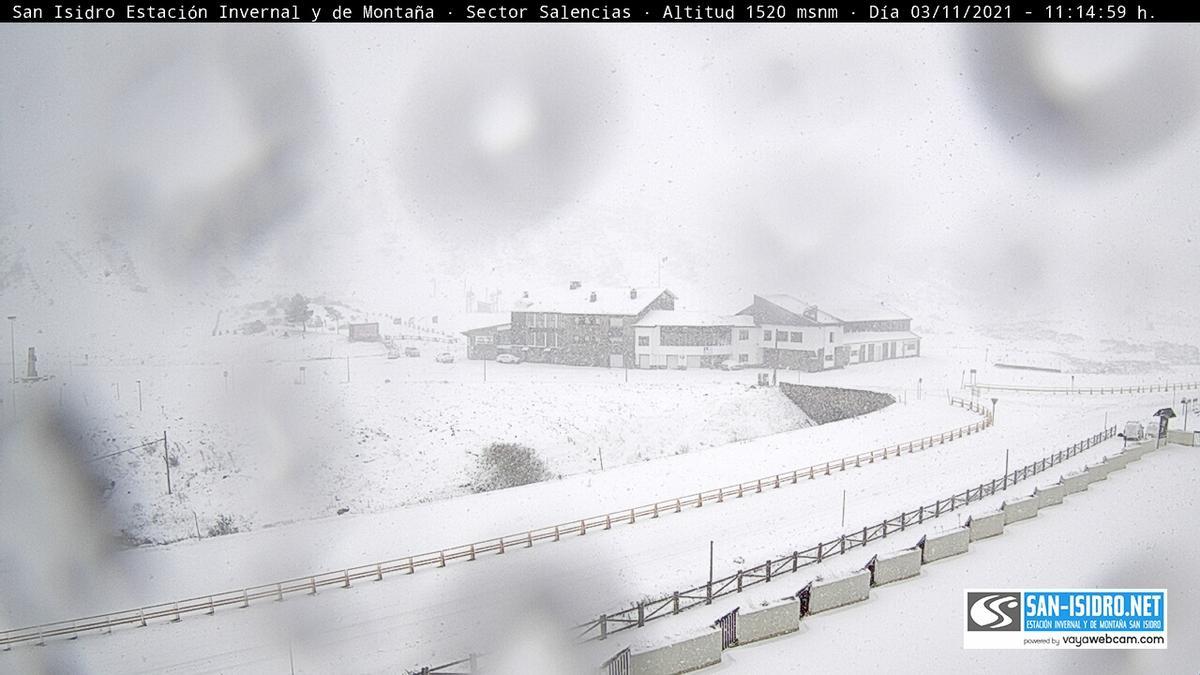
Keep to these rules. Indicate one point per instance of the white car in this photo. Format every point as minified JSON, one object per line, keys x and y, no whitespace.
{"x":507,"y":358}
{"x":730,"y":364}
{"x":444,"y":357}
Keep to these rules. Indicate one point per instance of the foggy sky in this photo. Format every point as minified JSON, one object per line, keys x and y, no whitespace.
{"x":995,"y":170}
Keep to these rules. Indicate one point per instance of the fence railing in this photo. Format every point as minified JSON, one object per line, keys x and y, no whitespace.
{"x":1161,"y":387}
{"x":208,"y":604}
{"x":703,"y":594}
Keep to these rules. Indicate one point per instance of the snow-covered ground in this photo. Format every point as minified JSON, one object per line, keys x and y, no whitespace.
{"x":443,"y":613}
{"x":400,"y":431}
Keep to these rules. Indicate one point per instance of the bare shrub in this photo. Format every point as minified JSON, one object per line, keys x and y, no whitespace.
{"x":505,"y":465}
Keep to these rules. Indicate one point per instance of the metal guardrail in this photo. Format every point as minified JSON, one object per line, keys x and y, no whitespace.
{"x":1094,"y":391}
{"x":309,"y":585}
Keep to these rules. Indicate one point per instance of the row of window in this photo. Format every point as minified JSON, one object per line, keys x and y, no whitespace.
{"x":789,"y":336}
{"x":550,"y":320}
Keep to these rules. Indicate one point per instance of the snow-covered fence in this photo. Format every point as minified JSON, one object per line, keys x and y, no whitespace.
{"x":703,"y":594}
{"x":1020,"y":509}
{"x":888,"y":567}
{"x":763,"y":623}
{"x":944,"y":545}
{"x":986,"y":525}
{"x":1049,"y":495}
{"x":679,"y":657}
{"x":1097,"y":391}
{"x":828,"y":594}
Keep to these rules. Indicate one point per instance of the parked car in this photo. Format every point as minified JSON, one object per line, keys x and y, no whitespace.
{"x":730,"y":364}
{"x":507,"y":358}
{"x":444,"y":357}
{"x":412,"y":352}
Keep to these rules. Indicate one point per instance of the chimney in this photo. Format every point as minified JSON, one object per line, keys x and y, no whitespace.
{"x":575,"y":285}
{"x":592,"y":297}
{"x":633,"y":294}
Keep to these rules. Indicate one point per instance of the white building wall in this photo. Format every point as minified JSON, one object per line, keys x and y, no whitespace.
{"x":815,"y":338}
{"x":657,"y":355}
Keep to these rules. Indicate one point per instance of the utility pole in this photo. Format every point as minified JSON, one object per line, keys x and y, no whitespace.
{"x":12,"y":339}
{"x":708,"y":601}
{"x":139,"y":383}
{"x":843,"y":508}
{"x":167,"y":462}
{"x":1006,"y":469}
{"x":600,"y":451}
{"x":775,"y":360}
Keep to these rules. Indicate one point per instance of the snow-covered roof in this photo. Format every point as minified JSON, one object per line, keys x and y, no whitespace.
{"x":865,"y":311}
{"x":852,"y":337}
{"x":799,"y":307}
{"x":663,"y":317}
{"x":461,"y":323}
{"x":613,"y":300}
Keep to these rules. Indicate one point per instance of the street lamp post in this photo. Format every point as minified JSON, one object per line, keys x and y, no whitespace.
{"x":994,"y":409}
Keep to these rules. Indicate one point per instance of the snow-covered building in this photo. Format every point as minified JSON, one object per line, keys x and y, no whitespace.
{"x":683,"y":339}
{"x":583,"y":326}
{"x":487,"y":333}
{"x":804,"y":336}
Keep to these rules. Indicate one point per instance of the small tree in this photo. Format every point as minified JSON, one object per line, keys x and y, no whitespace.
{"x":299,"y":312}
{"x":505,"y":465}
{"x":334,"y":316}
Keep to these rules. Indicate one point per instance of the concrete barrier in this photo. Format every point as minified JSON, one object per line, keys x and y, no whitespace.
{"x":1097,"y":472}
{"x":1134,"y":452}
{"x":679,"y":657}
{"x":767,"y":622}
{"x":1180,"y":437}
{"x":1116,"y":462}
{"x":945,"y":545}
{"x":1049,"y":495}
{"x":1020,"y":509}
{"x":830,"y":593}
{"x":1076,"y":481}
{"x":888,"y":567}
{"x":986,"y":525}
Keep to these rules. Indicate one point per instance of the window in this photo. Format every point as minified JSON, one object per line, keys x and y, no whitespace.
{"x":541,"y":320}
{"x":797,"y":336}
{"x":541,"y":339}
{"x":830,"y":337}
{"x":743,"y":333}
{"x":643,"y":340}
{"x":483,"y":339}
{"x":766,"y":336}
{"x":743,"y":358}
{"x":556,"y":339}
